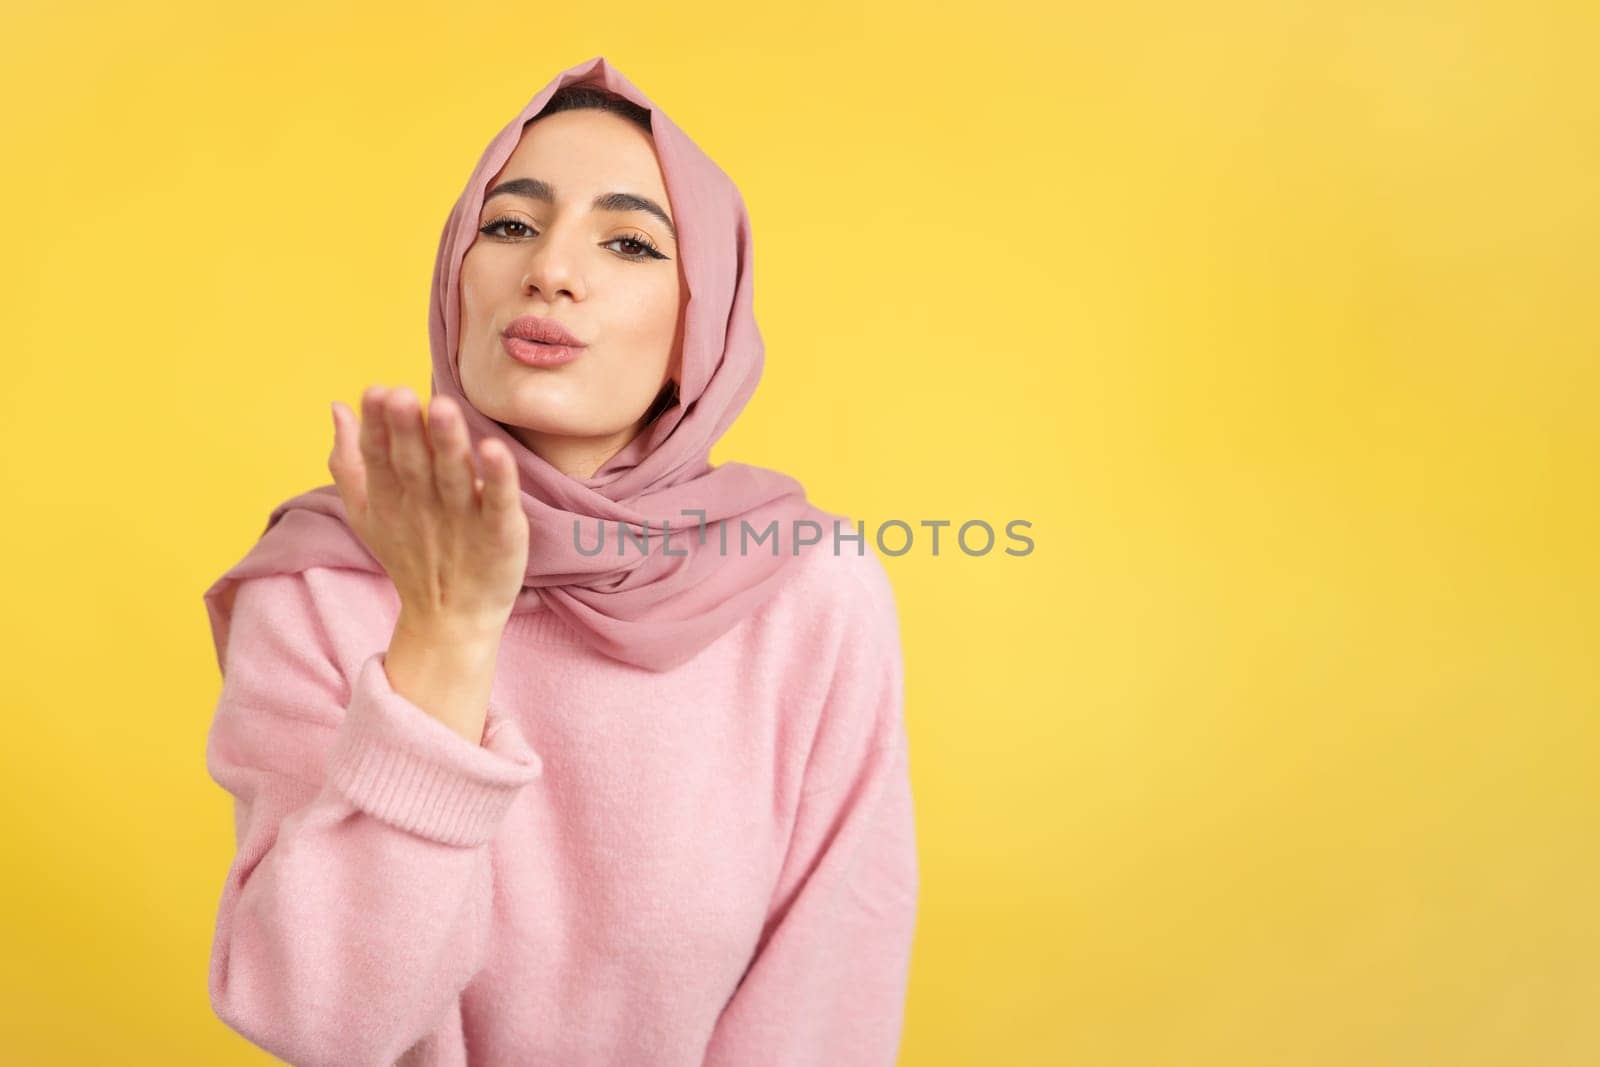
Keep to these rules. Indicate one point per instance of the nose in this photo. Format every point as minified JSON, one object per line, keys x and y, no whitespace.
{"x":551,"y":270}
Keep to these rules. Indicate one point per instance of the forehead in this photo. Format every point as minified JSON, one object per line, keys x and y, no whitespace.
{"x":585,"y":151}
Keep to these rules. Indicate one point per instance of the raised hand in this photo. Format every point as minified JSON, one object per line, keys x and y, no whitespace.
{"x":455,"y":544}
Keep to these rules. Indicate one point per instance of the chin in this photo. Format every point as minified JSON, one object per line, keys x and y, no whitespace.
{"x":534,"y":422}
{"x":557,"y":417}
{"x":550,"y":403}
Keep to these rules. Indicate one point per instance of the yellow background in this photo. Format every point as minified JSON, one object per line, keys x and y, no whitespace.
{"x":1276,"y":320}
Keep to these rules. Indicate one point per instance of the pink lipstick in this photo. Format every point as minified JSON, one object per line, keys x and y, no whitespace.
{"x":540,"y":341}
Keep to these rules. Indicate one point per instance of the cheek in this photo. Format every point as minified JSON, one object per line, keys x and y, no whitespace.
{"x":468,"y":288}
{"x":655,"y":317}
{"x":486,"y":274}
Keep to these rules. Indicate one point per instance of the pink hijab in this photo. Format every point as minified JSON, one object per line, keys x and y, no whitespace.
{"x":653,"y":608}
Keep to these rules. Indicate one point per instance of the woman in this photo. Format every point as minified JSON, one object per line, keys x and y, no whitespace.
{"x":539,"y":755}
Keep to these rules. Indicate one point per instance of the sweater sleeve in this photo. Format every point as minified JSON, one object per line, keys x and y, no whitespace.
{"x":827,"y":984}
{"x":357,"y":906}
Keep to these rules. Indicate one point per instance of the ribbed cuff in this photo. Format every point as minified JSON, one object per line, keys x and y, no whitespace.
{"x":397,"y":762}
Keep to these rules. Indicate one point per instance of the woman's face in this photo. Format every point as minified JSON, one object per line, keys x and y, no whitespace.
{"x":609,"y":274}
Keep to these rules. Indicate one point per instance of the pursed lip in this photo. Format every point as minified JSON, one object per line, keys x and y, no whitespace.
{"x":542,"y":329}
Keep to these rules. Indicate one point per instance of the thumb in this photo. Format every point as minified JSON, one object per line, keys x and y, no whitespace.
{"x":500,"y":494}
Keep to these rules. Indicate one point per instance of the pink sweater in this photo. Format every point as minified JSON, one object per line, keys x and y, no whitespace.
{"x":710,"y":866}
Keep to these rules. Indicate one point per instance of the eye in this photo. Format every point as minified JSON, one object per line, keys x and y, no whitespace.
{"x":489,"y":228}
{"x":648,"y":249}
{"x":642,"y":247}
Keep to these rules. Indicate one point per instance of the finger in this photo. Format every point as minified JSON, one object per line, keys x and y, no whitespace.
{"x":501,"y":491}
{"x":344,"y":462}
{"x":452,"y":454}
{"x":382,"y":482}
{"x":408,"y":445}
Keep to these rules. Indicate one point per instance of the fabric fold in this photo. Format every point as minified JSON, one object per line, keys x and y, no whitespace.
{"x":402,"y":765}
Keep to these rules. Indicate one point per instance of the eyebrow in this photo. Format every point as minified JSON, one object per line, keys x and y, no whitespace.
{"x":535,"y":189}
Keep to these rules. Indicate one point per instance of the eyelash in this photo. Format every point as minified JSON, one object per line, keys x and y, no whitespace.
{"x":650,"y":250}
